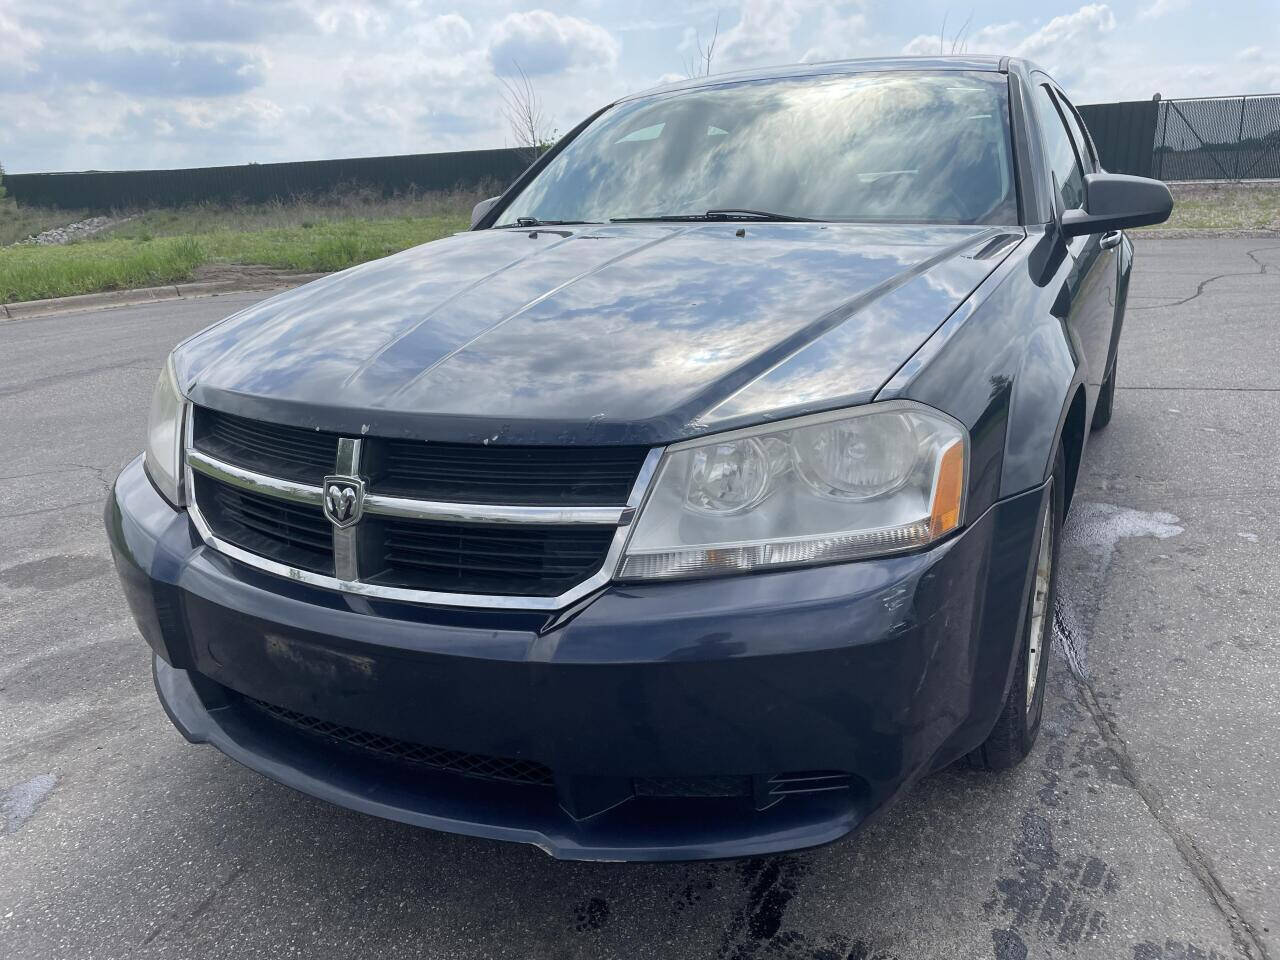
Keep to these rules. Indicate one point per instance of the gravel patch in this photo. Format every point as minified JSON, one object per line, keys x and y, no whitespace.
{"x":73,"y":231}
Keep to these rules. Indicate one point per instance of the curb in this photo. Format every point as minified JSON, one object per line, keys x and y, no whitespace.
{"x":143,"y":295}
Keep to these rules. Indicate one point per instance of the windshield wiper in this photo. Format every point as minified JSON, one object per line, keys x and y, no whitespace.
{"x":729,"y":213}
{"x":737,"y":213}
{"x":535,"y":222}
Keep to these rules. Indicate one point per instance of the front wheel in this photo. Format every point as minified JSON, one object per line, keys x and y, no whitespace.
{"x":1018,"y":726}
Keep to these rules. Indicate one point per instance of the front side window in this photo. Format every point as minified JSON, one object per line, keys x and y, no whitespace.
{"x":900,"y":146}
{"x":1084,"y":146}
{"x":1062,"y":155}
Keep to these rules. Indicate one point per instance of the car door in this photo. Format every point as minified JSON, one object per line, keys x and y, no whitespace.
{"x":1093,"y":277}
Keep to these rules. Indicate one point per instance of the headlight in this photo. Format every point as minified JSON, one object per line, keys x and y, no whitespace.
{"x":835,"y":486}
{"x":163,"y":458}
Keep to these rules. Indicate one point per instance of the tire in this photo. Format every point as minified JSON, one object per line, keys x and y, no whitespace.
{"x":1015,"y":732}
{"x":1106,"y":399}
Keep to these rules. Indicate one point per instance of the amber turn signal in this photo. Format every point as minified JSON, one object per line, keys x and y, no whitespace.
{"x":948,"y":491}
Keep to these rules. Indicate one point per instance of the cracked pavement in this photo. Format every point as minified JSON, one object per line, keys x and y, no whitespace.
{"x":1143,"y":826}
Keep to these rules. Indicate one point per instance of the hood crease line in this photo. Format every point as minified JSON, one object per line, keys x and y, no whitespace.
{"x":413,"y":328}
{"x":423,"y":374}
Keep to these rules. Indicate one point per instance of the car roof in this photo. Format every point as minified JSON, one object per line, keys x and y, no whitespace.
{"x":984,"y":64}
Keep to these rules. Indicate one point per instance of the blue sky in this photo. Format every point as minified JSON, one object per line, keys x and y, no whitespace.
{"x":117,"y":84}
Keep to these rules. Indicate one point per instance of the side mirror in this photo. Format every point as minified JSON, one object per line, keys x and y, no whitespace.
{"x":481,"y":208}
{"x":1115,"y":201}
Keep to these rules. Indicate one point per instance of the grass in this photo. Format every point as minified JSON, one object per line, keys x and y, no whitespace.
{"x":18,"y":223}
{"x":154,"y":247}
{"x":352,"y":203}
{"x":34,"y":273}
{"x":157,"y":247}
{"x":1216,"y":207}
{"x":1226,"y":206}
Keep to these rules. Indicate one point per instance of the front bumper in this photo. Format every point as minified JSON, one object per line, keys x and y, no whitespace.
{"x":877,"y":670}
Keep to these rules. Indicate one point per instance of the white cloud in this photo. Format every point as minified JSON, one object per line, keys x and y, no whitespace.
{"x":17,"y":47}
{"x":352,"y":19}
{"x":218,"y":21}
{"x":542,"y":43}
{"x":447,"y":31}
{"x":1069,"y":37}
{"x":842,"y":35}
{"x":145,"y":83}
{"x":1068,"y":46}
{"x":999,"y":38}
{"x":162,"y":70}
{"x":1159,"y":8}
{"x":923,"y":45}
{"x":762,"y":34}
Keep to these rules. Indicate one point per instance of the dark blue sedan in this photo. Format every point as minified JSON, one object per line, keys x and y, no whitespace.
{"x":695,"y":503}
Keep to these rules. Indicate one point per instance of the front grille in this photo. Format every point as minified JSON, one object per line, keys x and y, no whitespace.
{"x":530,"y":772}
{"x":513,"y":541}
{"x":291,"y":453}
{"x":456,"y":472}
{"x":289,"y":533}
{"x":504,"y":769}
{"x":515,"y":559}
{"x":521,"y":476}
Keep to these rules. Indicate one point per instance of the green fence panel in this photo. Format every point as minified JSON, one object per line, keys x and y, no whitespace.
{"x":1124,"y":134}
{"x":264,"y":182}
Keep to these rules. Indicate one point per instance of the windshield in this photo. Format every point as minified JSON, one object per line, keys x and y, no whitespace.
{"x":924,"y":147}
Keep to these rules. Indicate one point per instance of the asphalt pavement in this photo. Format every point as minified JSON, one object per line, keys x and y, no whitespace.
{"x":1143,"y":826}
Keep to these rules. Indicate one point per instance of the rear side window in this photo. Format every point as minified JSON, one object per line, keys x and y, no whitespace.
{"x":1058,"y":147}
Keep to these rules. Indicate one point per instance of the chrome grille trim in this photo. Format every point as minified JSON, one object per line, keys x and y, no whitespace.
{"x":619,"y":517}
{"x":250,"y":480}
{"x":490,"y":513}
{"x":407,"y":506}
{"x":346,"y":540}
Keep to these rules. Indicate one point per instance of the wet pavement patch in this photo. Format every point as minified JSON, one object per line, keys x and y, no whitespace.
{"x":19,"y":802}
{"x":1174,"y":950}
{"x":49,"y":573}
{"x":1008,"y":945}
{"x":770,"y":884}
{"x":591,"y":914}
{"x":1091,"y":534}
{"x":1059,"y":900}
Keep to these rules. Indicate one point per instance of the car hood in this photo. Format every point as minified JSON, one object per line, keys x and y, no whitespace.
{"x":606,"y":334}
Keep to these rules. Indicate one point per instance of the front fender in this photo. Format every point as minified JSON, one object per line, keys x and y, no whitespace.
{"x":1005,"y":366}
{"x":1043,"y":388}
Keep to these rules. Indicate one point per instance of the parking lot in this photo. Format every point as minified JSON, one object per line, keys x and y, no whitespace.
{"x":1144,"y":825}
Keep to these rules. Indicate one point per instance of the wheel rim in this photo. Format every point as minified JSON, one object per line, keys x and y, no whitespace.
{"x":1040,"y":603}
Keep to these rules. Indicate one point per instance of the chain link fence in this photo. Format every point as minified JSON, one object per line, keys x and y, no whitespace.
{"x":1197,"y":138}
{"x":1218,"y":138}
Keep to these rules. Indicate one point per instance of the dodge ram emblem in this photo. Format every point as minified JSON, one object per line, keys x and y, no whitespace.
{"x":343,"y":500}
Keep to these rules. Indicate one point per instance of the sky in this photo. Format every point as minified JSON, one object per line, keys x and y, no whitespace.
{"x":144,"y":84}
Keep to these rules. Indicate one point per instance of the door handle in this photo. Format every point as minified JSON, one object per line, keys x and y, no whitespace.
{"x":1111,"y":239}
